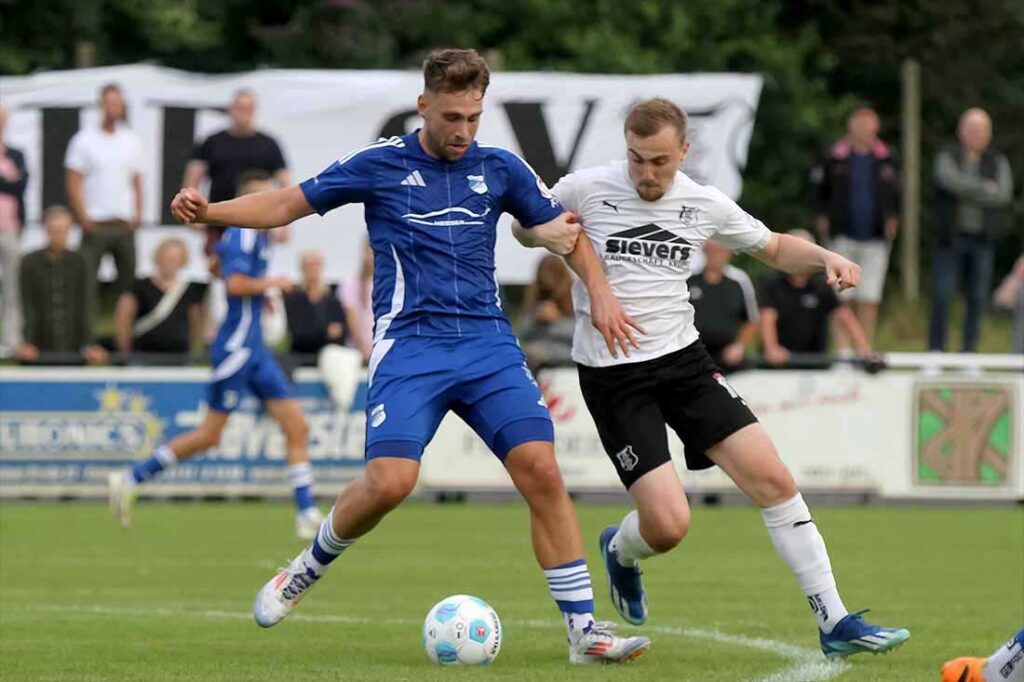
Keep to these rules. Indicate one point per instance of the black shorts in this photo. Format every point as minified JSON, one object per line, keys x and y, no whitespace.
{"x":632,"y":403}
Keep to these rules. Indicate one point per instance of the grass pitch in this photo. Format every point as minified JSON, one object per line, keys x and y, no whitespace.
{"x":170,"y":598}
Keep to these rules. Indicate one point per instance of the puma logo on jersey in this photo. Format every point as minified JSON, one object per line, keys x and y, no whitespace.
{"x":648,"y":244}
{"x":614,"y":207}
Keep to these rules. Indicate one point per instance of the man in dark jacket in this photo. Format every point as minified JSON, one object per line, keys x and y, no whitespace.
{"x":55,"y":297}
{"x":13,"y":178}
{"x":856,"y":194}
{"x":973,"y":191}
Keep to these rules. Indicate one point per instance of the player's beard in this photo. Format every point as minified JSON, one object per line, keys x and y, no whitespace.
{"x":439,"y":146}
{"x":650,"y":191}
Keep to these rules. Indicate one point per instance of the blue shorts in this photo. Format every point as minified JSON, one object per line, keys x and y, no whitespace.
{"x":414,"y":382}
{"x":244,"y":371}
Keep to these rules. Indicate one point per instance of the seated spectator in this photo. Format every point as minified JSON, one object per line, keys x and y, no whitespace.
{"x":357,"y":299}
{"x":725,"y":307}
{"x":1010,"y":295}
{"x":795,"y":312}
{"x":161,"y":313}
{"x":315,"y":316}
{"x":547,"y":323}
{"x":55,"y":300}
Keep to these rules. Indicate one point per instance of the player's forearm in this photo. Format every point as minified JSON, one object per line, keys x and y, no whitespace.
{"x":261,"y":211}
{"x":793,"y":255}
{"x":585,"y":262}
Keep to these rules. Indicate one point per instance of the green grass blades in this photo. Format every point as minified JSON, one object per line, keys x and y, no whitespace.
{"x":171,"y":597}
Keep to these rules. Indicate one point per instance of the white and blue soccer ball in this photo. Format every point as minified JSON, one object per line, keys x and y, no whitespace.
{"x":462,"y":630}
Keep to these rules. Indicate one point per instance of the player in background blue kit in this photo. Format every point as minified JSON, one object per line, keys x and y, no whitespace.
{"x":441,"y":339}
{"x":242,"y":365}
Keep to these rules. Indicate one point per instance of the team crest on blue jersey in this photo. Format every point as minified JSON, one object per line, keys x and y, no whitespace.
{"x":477,"y":183}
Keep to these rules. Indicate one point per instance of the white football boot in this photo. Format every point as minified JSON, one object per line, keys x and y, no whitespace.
{"x":307,"y":523}
{"x":286,"y":589}
{"x":121,"y":496}
{"x":599,"y":645}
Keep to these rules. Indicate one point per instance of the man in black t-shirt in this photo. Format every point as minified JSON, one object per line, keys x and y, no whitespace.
{"x":795,"y":311}
{"x":725,"y":307}
{"x":223,"y":157}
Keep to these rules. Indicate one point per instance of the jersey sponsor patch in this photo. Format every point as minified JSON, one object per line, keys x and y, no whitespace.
{"x":648,"y":244}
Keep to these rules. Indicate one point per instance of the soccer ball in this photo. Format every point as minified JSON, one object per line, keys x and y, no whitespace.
{"x":462,"y":630}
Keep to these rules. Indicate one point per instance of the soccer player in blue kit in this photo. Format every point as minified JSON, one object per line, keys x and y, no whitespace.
{"x":242,"y":365}
{"x":441,"y":339}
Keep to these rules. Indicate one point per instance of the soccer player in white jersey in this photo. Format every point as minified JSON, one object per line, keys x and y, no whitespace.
{"x":441,"y":340}
{"x":644,"y":219}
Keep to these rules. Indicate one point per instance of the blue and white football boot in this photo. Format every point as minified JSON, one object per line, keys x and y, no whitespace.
{"x":627,"y":592}
{"x":854,"y":635}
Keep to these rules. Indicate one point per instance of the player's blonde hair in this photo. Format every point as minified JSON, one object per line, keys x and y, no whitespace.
{"x":649,"y":116}
{"x":454,"y":70}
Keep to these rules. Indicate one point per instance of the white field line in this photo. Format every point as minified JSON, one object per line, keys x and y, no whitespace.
{"x":805,"y":665}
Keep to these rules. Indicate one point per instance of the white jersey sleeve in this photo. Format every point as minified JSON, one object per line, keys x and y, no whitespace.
{"x":736,"y":228}
{"x":567,"y":192}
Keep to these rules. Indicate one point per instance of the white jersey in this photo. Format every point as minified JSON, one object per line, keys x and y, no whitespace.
{"x":646,"y":247}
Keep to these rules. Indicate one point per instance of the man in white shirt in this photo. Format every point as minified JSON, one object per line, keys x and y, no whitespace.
{"x":104,"y":183}
{"x":644,"y":219}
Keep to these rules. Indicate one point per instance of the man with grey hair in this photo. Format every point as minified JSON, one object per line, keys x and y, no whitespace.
{"x":974,"y":188}
{"x":13,"y":178}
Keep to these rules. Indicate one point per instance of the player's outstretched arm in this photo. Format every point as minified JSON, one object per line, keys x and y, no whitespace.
{"x":262,"y":210}
{"x":791,"y":254}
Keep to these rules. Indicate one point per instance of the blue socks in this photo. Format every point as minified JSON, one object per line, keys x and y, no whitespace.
{"x":301,"y":477}
{"x":326,"y":546}
{"x":161,"y":459}
{"x":572,"y":590}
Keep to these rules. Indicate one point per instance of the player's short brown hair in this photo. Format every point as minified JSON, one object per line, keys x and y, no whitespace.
{"x":649,"y":116}
{"x":453,"y":70}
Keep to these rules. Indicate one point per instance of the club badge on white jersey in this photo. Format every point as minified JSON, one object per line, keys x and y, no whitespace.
{"x":646,"y":247}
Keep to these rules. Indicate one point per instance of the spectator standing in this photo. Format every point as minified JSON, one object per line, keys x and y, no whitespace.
{"x":725,"y":307}
{"x":856,"y":193}
{"x":795,"y":313}
{"x":104,"y":183}
{"x":315,"y":315}
{"x":548,"y":324}
{"x":54,"y":296}
{"x":13,"y":178}
{"x":357,"y":300}
{"x":161,"y":313}
{"x":225,"y":156}
{"x":974,"y":188}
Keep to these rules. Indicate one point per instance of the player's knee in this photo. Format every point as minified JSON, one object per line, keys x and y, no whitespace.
{"x":539,"y":475}
{"x":388,"y":489}
{"x":775,"y":487}
{"x":668,"y":530}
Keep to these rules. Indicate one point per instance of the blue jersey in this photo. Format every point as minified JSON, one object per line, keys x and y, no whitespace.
{"x":432,"y":226}
{"x":242,"y":252}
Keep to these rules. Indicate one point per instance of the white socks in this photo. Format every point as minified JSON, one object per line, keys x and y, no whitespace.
{"x":629,"y":546}
{"x":798,"y":542}
{"x":1007,"y":664}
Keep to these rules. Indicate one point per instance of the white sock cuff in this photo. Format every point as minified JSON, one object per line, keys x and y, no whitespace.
{"x":300,"y":474}
{"x":165,"y":456}
{"x":787,"y":513}
{"x":628,"y":543}
{"x":328,"y":539}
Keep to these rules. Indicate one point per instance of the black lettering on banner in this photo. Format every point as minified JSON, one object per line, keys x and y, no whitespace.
{"x":59,"y":125}
{"x":531,"y":131}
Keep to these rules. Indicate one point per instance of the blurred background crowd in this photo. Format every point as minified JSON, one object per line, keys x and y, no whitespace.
{"x":824,"y":164}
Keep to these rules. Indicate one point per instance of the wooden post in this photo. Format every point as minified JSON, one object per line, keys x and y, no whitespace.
{"x":910,"y":222}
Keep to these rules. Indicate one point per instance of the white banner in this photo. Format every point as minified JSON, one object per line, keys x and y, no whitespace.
{"x":556,"y":121}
